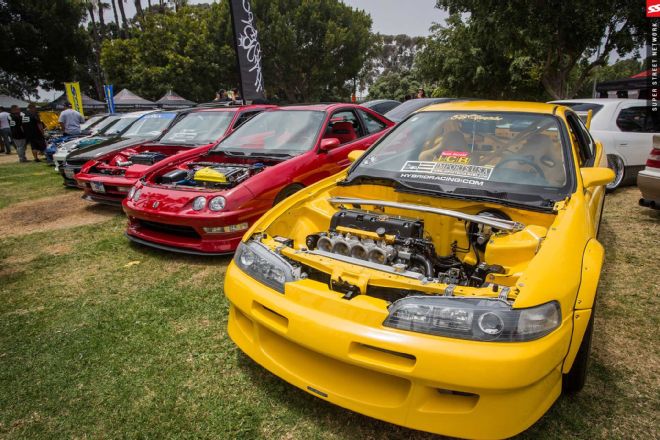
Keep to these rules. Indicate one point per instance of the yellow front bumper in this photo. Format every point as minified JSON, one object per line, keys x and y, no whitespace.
{"x":338,"y":350}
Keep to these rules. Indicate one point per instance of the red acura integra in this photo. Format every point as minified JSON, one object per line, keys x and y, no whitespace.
{"x":202,"y":203}
{"x":108,"y":178}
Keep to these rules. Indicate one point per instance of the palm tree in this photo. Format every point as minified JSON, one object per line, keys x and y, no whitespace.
{"x":138,"y":8}
{"x":114,"y":11}
{"x":101,"y":7}
{"x":120,"y":4}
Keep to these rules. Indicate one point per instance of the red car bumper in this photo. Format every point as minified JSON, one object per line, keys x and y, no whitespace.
{"x":105,"y":189}
{"x":186,"y":233}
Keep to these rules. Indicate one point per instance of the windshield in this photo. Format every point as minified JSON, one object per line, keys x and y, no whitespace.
{"x":281,"y":133}
{"x":91,"y":121}
{"x":400,"y":112}
{"x":120,"y":125}
{"x":199,"y":128}
{"x":150,"y":125}
{"x":479,"y":153}
{"x":104,"y":126}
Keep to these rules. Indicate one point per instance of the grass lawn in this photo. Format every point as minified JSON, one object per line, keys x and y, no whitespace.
{"x":103,"y":339}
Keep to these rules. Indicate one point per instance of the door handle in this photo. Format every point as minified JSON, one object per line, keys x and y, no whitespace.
{"x":623,"y":144}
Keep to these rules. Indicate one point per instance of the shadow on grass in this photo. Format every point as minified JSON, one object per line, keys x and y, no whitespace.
{"x":194,"y":260}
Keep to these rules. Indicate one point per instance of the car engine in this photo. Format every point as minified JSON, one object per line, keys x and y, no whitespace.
{"x":399,"y":245}
{"x":210,"y":175}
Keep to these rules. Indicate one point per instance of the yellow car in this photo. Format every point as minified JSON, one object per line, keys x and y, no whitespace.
{"x":445,"y":282}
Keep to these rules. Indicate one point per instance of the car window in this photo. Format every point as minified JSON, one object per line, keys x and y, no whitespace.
{"x":245,"y":116}
{"x":345,"y":126}
{"x":371,"y":123}
{"x":638,"y":119}
{"x":582,"y":106}
{"x":581,"y":138}
{"x":198,"y":128}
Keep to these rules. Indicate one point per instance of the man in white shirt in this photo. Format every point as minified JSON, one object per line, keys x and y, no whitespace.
{"x":70,"y":121}
{"x":5,"y":130}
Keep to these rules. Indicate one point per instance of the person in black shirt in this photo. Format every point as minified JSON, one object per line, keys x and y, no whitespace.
{"x":34,"y":131}
{"x":17,"y":133}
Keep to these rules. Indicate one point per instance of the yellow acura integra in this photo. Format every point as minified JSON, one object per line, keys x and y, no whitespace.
{"x":445,"y":282}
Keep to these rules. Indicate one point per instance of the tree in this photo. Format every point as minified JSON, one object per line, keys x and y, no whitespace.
{"x":394,"y":85}
{"x":114,"y":12}
{"x":313,"y":49}
{"x":547,"y":40}
{"x":179,"y":51}
{"x":41,"y":43}
{"x":124,"y":21}
{"x":389,"y":53}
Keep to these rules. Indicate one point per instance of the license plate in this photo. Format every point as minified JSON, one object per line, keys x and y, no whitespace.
{"x":97,"y":187}
{"x":69,"y":174}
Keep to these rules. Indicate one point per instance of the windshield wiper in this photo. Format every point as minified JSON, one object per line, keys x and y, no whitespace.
{"x":505,"y":195}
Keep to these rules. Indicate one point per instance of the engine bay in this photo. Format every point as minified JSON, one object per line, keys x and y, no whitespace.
{"x":211,"y":175}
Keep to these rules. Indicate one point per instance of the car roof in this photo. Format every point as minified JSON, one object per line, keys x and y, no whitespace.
{"x":234,"y":108}
{"x":378,"y":101}
{"x":134,"y":114}
{"x":602,"y":101}
{"x":501,"y":106}
{"x":320,"y":107}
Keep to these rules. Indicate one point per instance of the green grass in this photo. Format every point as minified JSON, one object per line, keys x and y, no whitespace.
{"x":95,"y":345}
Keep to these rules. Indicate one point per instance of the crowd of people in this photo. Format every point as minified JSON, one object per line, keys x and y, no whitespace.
{"x":223,"y":96}
{"x":19,"y":129}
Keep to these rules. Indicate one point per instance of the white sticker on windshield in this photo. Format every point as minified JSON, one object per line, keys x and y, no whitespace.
{"x":184,"y":135}
{"x":448,"y":169}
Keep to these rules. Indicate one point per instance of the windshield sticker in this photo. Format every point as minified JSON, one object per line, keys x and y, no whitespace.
{"x":185,"y":134}
{"x":475,"y":117}
{"x":159,"y":116}
{"x":454,"y":157}
{"x":448,"y":169}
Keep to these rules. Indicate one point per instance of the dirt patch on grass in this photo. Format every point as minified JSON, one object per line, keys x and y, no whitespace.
{"x":60,"y":212}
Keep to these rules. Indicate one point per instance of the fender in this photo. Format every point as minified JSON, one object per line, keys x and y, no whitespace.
{"x":592,"y":262}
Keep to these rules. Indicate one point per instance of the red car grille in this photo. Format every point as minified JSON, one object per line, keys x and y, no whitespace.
{"x":181,"y":231}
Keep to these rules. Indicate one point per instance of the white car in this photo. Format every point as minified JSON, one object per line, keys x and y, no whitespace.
{"x":112,"y":126}
{"x":625,"y":127}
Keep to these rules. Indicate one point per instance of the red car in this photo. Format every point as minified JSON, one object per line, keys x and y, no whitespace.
{"x":109,"y":177}
{"x":203,"y":202}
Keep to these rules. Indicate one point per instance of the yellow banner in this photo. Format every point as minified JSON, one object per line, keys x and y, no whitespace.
{"x":74,"y":96}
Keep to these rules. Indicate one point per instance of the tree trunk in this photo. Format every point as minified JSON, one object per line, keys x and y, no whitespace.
{"x":101,"y":11}
{"x":138,"y":8}
{"x":114,"y":11}
{"x":97,"y":74}
{"x":149,"y":3}
{"x":120,"y":3}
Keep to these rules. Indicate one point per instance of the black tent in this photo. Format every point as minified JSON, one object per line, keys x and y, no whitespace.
{"x":88,"y":103}
{"x":127,"y":99}
{"x":172,"y":100}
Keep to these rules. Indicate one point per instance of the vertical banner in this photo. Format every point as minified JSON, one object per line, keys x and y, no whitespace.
{"x":74,"y":96}
{"x":248,"y":50}
{"x":108,"y":91}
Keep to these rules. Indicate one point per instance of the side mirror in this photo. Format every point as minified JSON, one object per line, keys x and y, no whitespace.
{"x":355,"y":155}
{"x":599,"y":176}
{"x":329,"y":144}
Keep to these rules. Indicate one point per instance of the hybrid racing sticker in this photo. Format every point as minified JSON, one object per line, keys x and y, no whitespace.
{"x":454,"y":167}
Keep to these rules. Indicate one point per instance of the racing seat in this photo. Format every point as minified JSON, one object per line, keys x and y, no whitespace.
{"x":450,"y":141}
{"x":344,"y":131}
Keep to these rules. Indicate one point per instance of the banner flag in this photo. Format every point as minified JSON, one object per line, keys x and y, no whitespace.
{"x":74,"y":96}
{"x":248,"y":50}
{"x":108,"y":91}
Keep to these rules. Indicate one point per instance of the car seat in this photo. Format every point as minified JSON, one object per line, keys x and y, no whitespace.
{"x":344,"y":131}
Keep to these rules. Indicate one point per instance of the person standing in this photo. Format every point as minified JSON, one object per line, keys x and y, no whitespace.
{"x":5,"y":130}
{"x":70,"y":121}
{"x":34,"y":131}
{"x":17,"y":132}
{"x":421,"y":93}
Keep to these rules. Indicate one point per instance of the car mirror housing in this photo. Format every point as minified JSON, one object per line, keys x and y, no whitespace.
{"x":329,"y":144}
{"x":598,"y":176}
{"x":355,"y":155}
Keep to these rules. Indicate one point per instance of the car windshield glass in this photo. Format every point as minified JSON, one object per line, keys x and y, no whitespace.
{"x":284,"y":132}
{"x":104,"y":126}
{"x":479,"y":153}
{"x":199,"y":128}
{"x":120,"y":125}
{"x":150,"y":125}
{"x":400,"y":112}
{"x":91,"y":121}
{"x":583,"y":106}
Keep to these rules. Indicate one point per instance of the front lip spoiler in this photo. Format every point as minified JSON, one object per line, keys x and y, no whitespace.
{"x":179,"y":250}
{"x":101,"y":200}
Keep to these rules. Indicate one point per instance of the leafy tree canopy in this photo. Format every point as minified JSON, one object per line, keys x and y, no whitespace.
{"x":529,"y":49}
{"x":41,"y":43}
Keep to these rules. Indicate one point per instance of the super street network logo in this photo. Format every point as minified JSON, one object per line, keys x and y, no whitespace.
{"x":653,"y":8}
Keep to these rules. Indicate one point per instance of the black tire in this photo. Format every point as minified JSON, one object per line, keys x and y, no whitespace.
{"x":288,"y":191}
{"x":616,"y":164}
{"x":574,"y":380}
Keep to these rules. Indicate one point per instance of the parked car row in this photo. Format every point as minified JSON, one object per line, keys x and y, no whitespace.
{"x":426,"y":267}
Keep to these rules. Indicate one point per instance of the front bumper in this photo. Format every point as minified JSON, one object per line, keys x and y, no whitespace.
{"x":185,"y":234}
{"x":115,"y":188}
{"x":648,"y":182}
{"x":338,"y":350}
{"x":68,"y":172}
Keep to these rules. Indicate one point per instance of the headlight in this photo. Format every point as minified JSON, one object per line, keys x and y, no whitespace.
{"x":131,"y":193}
{"x":199,"y":203}
{"x":480,"y":319}
{"x":136,"y":195}
{"x":260,"y":263}
{"x":217,"y":203}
